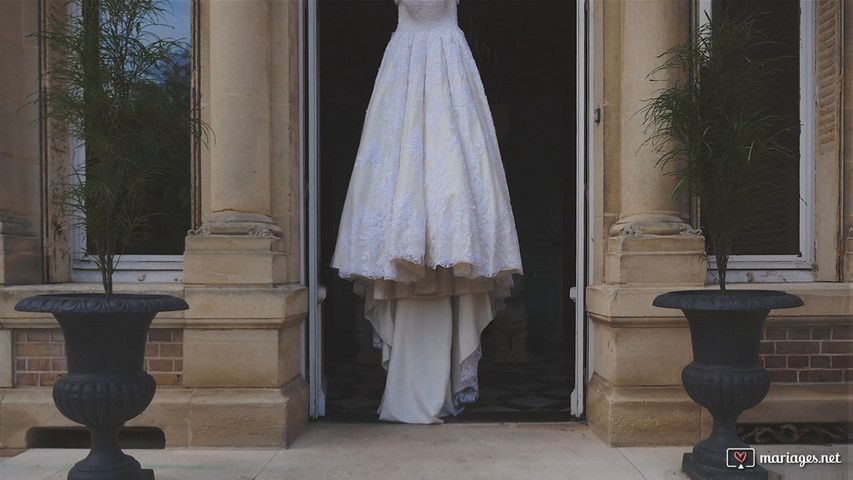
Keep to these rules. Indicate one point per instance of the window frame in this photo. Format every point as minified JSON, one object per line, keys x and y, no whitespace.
{"x":136,"y":268}
{"x":130,"y":268}
{"x":788,"y":268}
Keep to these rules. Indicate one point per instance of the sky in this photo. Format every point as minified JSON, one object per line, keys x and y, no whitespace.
{"x":178,"y":20}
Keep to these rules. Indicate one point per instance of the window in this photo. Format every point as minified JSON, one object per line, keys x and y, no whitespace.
{"x":779,"y":246}
{"x":159,"y":257}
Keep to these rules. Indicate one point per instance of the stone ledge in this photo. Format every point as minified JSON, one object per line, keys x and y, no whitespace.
{"x":240,"y":418}
{"x":265,"y":307}
{"x":654,"y":416}
{"x":826,"y":304}
{"x":10,"y":295}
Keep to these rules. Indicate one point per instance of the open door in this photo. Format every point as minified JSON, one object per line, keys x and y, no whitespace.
{"x":577,"y":401}
{"x":316,"y":291}
{"x":539,"y":162}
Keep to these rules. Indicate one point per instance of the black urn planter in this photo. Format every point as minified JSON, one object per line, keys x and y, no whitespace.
{"x":726,"y":375}
{"x":106,"y":384}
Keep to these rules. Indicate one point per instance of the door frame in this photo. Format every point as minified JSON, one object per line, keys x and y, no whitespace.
{"x":310,"y":220}
{"x":583,"y":245}
{"x":311,"y":155}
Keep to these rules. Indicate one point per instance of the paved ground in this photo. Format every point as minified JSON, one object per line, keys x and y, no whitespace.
{"x":411,"y":452}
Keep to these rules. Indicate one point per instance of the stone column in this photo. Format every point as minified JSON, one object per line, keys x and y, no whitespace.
{"x":240,"y":118}
{"x":650,"y":242}
{"x":243,"y":339}
{"x":238,"y":242}
{"x":648,"y":28}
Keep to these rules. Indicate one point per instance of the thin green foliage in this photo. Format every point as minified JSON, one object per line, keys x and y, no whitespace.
{"x":712,"y":131}
{"x":105,"y":91}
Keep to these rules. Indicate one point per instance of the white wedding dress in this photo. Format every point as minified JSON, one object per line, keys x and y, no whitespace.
{"x":427,"y":233}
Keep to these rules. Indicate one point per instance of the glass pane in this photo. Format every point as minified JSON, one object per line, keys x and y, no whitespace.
{"x":776,"y":227}
{"x":168,"y":211}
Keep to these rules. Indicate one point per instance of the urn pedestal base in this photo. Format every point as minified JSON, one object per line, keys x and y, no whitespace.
{"x":725,"y":391}
{"x":103,"y":402}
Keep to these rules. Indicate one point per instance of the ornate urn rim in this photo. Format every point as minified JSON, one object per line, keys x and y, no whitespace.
{"x":99,"y":303}
{"x":730,"y":300}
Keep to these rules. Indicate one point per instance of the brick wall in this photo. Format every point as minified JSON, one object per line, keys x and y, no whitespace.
{"x":40,"y":356}
{"x":803,"y":355}
{"x":164,"y":356}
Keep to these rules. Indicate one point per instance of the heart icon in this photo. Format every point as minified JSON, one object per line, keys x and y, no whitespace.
{"x":740,"y":456}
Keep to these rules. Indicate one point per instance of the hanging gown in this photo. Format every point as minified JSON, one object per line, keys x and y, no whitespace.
{"x":427,"y":232}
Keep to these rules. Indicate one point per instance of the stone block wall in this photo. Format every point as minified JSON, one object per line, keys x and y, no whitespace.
{"x":808,"y":355}
{"x":40,"y":357}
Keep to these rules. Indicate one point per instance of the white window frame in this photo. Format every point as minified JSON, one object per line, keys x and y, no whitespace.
{"x":131,"y":268}
{"x":788,"y":268}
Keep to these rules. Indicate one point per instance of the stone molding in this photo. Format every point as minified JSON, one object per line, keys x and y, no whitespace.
{"x":826,"y":304}
{"x":273,"y":307}
{"x":248,"y":224}
{"x":652,"y":224}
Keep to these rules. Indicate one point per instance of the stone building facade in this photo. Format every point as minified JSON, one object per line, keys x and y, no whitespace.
{"x":232,"y":369}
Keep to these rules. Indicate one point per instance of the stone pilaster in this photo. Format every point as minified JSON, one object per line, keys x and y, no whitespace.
{"x":243,"y":339}
{"x":20,"y":190}
{"x":238,"y":242}
{"x":648,"y":28}
{"x":20,"y":251}
{"x":649,"y":243}
{"x":634,"y":395}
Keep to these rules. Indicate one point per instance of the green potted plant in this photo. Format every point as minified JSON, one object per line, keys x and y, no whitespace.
{"x":107,"y":93}
{"x":713,"y":135}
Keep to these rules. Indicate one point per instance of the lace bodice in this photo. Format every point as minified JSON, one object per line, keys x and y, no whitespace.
{"x":426,"y":14}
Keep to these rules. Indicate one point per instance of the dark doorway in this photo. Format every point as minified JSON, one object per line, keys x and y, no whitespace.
{"x":525,"y":51}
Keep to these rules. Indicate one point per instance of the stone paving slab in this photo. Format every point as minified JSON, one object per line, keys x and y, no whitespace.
{"x":472,"y":452}
{"x":564,"y":451}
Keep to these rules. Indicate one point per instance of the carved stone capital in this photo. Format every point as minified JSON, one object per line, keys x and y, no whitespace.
{"x":239,"y":224}
{"x":652,"y":224}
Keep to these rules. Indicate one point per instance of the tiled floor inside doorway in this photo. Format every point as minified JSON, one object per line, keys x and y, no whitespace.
{"x":537,"y":391}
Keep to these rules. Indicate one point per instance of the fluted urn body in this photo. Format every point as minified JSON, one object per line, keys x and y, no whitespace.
{"x":106,"y":384}
{"x":726,"y":375}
